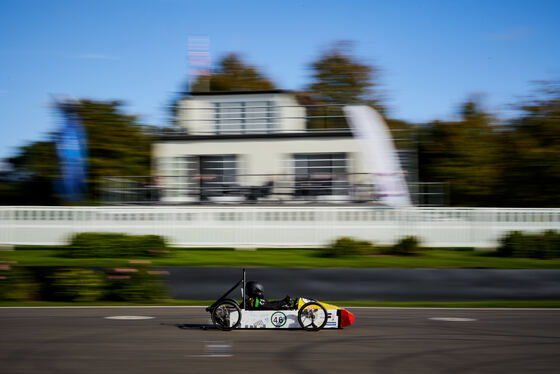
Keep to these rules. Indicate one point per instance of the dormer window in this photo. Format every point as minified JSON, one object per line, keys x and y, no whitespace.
{"x":245,"y":117}
{"x":241,"y":113}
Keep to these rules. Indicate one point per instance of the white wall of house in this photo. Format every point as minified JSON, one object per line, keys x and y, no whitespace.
{"x":256,"y":158}
{"x":195,"y":116}
{"x":265,"y":156}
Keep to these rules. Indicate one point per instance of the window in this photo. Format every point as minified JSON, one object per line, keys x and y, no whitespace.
{"x":200,"y":176}
{"x":260,"y":116}
{"x":247,"y":117}
{"x":175,"y":175}
{"x":320,"y":174}
{"x":229,"y":118}
{"x":218,"y":175}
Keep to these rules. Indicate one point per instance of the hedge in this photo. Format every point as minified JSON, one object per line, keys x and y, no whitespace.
{"x":347,"y":246}
{"x":76,"y":284}
{"x":134,"y":284}
{"x":530,"y":245}
{"x":406,"y":246}
{"x":113,"y":245}
{"x":17,"y":283}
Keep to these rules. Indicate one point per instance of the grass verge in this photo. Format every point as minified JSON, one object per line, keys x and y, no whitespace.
{"x":287,"y":258}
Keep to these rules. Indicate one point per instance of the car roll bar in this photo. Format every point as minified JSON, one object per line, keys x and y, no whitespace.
{"x":242,"y":281}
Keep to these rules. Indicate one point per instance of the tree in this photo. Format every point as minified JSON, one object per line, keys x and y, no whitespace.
{"x":514,"y":164}
{"x":340,"y":78}
{"x":466,"y":155}
{"x":532,"y":169}
{"x":117,"y":145}
{"x":30,"y":179}
{"x":233,"y":74}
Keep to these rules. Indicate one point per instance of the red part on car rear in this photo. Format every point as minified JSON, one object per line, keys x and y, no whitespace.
{"x":346,"y":318}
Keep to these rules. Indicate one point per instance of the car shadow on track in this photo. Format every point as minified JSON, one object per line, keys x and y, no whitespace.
{"x":190,"y":326}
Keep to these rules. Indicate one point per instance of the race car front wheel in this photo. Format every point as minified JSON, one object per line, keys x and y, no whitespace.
{"x":226,"y":315}
{"x":312,"y":316}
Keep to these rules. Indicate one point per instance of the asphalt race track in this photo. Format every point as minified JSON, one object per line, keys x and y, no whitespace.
{"x":192,"y":283}
{"x":82,"y":340}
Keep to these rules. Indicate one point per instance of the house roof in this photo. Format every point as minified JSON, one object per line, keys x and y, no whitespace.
{"x":217,"y":93}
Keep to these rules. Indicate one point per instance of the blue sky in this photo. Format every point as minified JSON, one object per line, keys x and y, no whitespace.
{"x":432,"y":54}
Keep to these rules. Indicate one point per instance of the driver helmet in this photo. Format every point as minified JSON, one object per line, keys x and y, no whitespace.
{"x":254,"y":289}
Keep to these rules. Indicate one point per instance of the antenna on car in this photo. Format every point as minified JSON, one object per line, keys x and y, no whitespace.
{"x":243,"y":291}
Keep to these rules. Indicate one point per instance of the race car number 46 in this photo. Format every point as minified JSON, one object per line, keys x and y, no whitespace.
{"x":278,"y":319}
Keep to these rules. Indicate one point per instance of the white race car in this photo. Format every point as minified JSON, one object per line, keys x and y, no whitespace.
{"x":308,"y":314}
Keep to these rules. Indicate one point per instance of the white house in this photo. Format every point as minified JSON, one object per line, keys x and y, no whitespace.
{"x":238,"y":146}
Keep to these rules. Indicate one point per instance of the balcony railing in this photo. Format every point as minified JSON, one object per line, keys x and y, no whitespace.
{"x":318,"y":118}
{"x":257,"y":188}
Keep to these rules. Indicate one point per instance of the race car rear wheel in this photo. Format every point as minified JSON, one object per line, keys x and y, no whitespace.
{"x":312,"y":316}
{"x":226,"y":315}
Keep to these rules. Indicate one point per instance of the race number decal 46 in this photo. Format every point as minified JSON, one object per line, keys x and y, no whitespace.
{"x":278,"y":319}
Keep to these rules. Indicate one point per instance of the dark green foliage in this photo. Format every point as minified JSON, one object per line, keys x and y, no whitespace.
{"x":117,"y":145}
{"x":530,"y":245}
{"x":17,"y":283}
{"x":351,"y":247}
{"x":31,"y":178}
{"x":138,"y":284}
{"x":406,"y":246}
{"x":348,"y":247}
{"x":233,"y":74}
{"x":532,"y":150}
{"x":76,"y":284}
{"x":86,"y":285}
{"x":484,"y":162}
{"x":113,"y":245}
{"x":134,"y":285}
{"x":466,"y":155}
{"x":340,"y":78}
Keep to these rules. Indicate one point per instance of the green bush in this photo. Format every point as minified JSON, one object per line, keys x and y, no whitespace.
{"x":134,"y":285}
{"x":76,"y":284}
{"x":551,"y":244}
{"x":120,"y":284}
{"x":530,"y":245}
{"x":406,"y":246}
{"x":347,"y":247}
{"x":17,"y":284}
{"x":113,"y":245}
{"x":138,"y":284}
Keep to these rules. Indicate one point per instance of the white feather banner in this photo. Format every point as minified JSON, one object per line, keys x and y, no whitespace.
{"x":380,"y":154}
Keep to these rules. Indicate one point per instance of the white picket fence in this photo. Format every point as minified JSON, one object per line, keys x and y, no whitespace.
{"x":305,"y":226}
